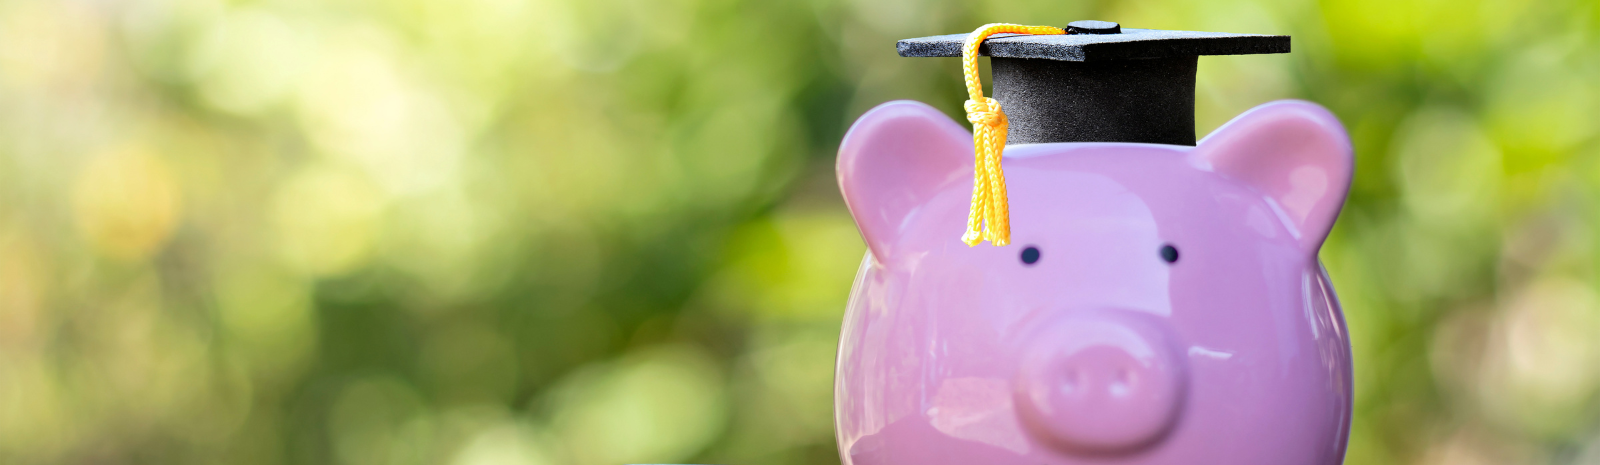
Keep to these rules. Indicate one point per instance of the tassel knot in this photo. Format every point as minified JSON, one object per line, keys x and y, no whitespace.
{"x":985,"y":112}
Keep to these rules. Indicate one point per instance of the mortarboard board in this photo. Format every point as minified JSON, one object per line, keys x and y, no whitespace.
{"x":1099,"y":82}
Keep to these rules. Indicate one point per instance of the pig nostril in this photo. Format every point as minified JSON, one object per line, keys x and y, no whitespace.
{"x":1119,"y":389}
{"x":1122,"y":385}
{"x":1069,"y":383}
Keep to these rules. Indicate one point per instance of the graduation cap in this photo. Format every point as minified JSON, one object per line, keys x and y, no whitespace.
{"x":1098,"y":82}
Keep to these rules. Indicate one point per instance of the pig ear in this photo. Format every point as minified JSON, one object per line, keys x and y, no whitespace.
{"x":893,"y":161}
{"x":1294,"y":152}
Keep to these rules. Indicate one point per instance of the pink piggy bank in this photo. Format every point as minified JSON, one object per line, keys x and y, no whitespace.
{"x":1159,"y":304}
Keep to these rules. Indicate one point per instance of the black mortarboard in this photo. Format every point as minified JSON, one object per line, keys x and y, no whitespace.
{"x":1099,"y":82}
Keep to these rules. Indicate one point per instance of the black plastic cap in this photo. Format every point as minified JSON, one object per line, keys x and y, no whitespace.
{"x":1099,"y":82}
{"x":1128,"y":44}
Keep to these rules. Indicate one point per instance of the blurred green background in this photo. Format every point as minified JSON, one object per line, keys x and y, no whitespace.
{"x":586,"y":232}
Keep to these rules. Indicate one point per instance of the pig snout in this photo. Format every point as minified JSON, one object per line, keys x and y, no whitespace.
{"x":1100,"y":382}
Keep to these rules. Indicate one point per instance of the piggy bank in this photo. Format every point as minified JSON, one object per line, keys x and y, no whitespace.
{"x":1158,"y":304}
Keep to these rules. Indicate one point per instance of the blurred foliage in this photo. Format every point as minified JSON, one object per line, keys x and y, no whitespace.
{"x":593,"y":232}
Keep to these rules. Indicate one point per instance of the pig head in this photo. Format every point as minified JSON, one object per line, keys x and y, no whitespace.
{"x":1158,"y":305}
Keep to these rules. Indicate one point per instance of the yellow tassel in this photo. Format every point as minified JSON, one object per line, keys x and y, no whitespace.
{"x":989,"y":207}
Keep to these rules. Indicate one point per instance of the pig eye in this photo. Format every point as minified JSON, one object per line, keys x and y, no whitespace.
{"x":1169,"y":253}
{"x":1030,"y":255}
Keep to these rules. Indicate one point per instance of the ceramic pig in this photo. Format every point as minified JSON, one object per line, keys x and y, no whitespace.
{"x":1159,"y":304}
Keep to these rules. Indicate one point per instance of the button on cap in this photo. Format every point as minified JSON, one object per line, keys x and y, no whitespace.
{"x":1093,"y":27}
